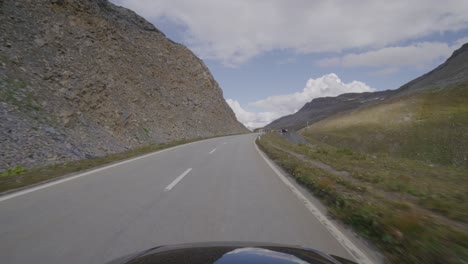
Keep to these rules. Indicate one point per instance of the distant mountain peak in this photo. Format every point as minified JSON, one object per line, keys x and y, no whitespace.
{"x":453,"y":70}
{"x":459,"y":52}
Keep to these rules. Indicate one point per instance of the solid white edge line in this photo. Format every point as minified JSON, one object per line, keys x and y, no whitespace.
{"x":55,"y":182}
{"x":352,"y":249}
{"x":211,"y":152}
{"x":177,"y":180}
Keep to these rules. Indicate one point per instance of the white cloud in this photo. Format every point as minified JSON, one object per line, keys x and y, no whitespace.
{"x":235,"y":31}
{"x":418,"y":54}
{"x":423,"y":54}
{"x":327,"y":85}
{"x":252,"y":119}
{"x":459,"y":42}
{"x":280,"y":105}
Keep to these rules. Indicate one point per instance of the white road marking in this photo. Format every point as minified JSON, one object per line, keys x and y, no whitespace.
{"x":55,"y":182}
{"x":352,"y":249}
{"x":211,"y":152}
{"x":224,"y":143}
{"x":177,"y":180}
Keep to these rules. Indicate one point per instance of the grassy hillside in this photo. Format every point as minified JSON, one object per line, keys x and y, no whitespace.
{"x":430,"y":126}
{"x":413,"y":212}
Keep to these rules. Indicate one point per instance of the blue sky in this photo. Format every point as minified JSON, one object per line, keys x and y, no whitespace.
{"x":270,"y":57}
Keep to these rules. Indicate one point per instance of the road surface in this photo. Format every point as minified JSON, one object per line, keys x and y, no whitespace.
{"x":220,"y":189}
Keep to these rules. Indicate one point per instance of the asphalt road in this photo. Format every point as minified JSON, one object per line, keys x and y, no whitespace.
{"x":215,"y":190}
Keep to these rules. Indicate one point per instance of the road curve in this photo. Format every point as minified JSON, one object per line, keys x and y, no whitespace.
{"x":214,"y":190}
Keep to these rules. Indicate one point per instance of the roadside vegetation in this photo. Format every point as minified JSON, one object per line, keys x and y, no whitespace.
{"x":430,"y":126}
{"x":18,"y":176}
{"x":413,"y":211}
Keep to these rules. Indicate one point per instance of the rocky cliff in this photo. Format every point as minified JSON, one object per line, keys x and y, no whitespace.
{"x":84,"y":78}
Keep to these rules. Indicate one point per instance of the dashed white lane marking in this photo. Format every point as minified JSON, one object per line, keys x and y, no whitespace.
{"x":177,"y":180}
{"x":211,"y":152}
{"x":224,"y":143}
{"x":55,"y":182}
{"x":46,"y":185}
{"x":352,"y":249}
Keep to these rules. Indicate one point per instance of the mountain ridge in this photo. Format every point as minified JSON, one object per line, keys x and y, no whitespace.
{"x":453,"y":70}
{"x":443,"y":74}
{"x":322,"y":107}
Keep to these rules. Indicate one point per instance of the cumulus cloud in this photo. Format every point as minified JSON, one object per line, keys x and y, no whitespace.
{"x":235,"y":31}
{"x":276,"y":106}
{"x":327,"y":85}
{"x":252,"y":119}
{"x":421,"y":54}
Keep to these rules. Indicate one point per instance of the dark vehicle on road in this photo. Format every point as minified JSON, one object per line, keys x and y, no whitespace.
{"x":231,"y":253}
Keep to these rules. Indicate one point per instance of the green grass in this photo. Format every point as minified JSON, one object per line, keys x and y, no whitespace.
{"x":17,"y":177}
{"x":414,"y":213}
{"x":440,"y":188}
{"x":13,"y":171}
{"x":429,"y":126}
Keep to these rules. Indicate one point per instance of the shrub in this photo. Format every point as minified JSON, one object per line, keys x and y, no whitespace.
{"x":13,"y":171}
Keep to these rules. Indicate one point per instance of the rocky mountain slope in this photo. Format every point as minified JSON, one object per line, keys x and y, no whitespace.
{"x":82,"y":78}
{"x":429,"y":125}
{"x":453,"y":71}
{"x":322,"y":107}
{"x":425,"y":120}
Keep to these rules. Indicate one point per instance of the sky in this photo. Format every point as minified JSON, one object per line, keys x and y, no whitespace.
{"x":270,"y":57}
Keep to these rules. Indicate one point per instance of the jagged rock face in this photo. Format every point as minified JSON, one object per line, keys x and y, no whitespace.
{"x":85,"y":78}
